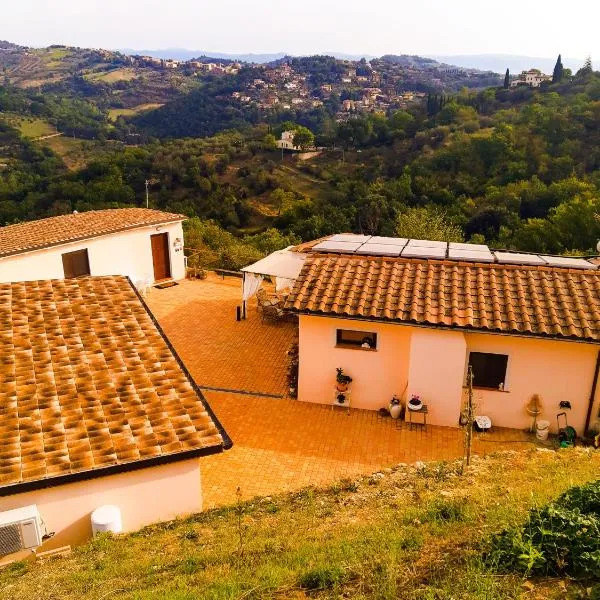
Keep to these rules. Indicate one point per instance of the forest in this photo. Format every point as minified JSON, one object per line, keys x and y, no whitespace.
{"x":513,"y":168}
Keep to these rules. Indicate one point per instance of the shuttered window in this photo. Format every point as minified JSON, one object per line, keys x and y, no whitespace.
{"x":489,"y":370}
{"x":76,"y":264}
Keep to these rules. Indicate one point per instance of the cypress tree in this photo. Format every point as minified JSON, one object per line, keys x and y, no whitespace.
{"x":558,"y":71}
{"x":507,"y":80}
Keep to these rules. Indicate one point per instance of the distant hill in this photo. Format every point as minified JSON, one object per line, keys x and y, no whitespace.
{"x":183,"y":54}
{"x":500,"y":62}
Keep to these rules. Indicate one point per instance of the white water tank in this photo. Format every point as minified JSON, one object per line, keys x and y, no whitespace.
{"x":107,"y":518}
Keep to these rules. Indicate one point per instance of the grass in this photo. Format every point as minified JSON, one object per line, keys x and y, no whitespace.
{"x":124,"y":74}
{"x":406,"y":533}
{"x":115,"y":113}
{"x":29,"y":126}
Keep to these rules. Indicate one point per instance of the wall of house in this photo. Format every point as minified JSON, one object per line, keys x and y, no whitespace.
{"x":436,"y":373}
{"x":144,"y":496}
{"x":555,"y":370}
{"x":432,"y":363}
{"x":377,"y":374}
{"x":123,"y":253}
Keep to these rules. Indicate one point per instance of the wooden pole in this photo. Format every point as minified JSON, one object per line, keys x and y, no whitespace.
{"x":470,"y":417}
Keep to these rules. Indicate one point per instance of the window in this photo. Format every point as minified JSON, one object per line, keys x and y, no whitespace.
{"x":489,"y":370}
{"x":76,"y":264}
{"x":356,"y":339}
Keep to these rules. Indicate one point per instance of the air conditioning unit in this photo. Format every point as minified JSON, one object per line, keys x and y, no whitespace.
{"x":21,"y":529}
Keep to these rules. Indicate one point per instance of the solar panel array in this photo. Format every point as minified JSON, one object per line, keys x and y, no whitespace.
{"x":367,"y":245}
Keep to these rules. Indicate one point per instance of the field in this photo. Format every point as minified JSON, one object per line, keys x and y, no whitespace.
{"x":124,"y":74}
{"x":115,"y":113}
{"x":415,"y":533}
{"x":29,"y":127}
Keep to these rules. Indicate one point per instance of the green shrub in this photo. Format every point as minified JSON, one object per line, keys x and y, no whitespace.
{"x":562,"y":538}
{"x":321,"y":578}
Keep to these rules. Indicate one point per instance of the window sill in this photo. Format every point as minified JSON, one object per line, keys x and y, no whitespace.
{"x":487,"y":389}
{"x":351,"y":347}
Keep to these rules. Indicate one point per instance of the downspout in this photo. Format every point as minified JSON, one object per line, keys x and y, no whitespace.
{"x":588,"y":417}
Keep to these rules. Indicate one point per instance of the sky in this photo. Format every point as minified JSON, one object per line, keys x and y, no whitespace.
{"x":427,"y":27}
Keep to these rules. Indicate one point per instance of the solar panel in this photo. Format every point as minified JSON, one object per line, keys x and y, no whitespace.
{"x":379,"y":249}
{"x":349,"y":237}
{"x":461,"y":246}
{"x":470,"y":255}
{"x":516,"y":258}
{"x":391,"y":241}
{"x":426,"y":244}
{"x":570,"y":262}
{"x":329,"y":246}
{"x":423,"y":252}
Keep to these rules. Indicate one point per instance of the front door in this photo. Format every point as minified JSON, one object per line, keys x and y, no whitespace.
{"x":160,"y":256}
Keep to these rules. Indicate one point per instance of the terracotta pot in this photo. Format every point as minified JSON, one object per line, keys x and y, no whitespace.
{"x":341,"y":387}
{"x":395,"y":410}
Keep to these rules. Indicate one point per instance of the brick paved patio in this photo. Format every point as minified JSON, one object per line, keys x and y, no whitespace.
{"x":282,"y":444}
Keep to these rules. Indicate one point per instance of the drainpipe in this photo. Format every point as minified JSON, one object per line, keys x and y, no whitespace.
{"x":588,"y":417}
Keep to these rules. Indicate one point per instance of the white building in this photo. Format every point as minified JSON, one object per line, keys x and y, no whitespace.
{"x":144,"y":244}
{"x":287,"y":141}
{"x":532,"y":78}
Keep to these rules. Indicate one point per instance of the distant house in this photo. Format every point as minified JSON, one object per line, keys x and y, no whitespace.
{"x":531,"y":78}
{"x":287,"y":141}
{"x":144,"y":244}
{"x":97,"y":409}
{"x":409,"y":317}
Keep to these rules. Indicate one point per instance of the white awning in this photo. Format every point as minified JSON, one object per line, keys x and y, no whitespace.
{"x":282,"y":263}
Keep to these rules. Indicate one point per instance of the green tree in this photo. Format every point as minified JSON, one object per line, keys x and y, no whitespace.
{"x":558,"y":73}
{"x":587,"y":68}
{"x":304,"y":138}
{"x":507,"y":79}
{"x":427,"y":223}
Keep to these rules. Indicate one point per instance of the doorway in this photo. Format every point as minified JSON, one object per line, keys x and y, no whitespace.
{"x":160,"y":256}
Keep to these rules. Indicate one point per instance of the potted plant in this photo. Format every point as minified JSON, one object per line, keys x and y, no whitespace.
{"x":395,"y":407}
{"x":342,"y":380}
{"x":415,"y":402}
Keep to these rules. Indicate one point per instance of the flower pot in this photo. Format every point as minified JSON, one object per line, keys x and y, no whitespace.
{"x":415,"y":405}
{"x":395,"y":410}
{"x":341,"y":387}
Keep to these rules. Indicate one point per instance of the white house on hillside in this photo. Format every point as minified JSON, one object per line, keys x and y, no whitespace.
{"x":287,"y":141}
{"x":532,"y":78}
{"x":143,"y":244}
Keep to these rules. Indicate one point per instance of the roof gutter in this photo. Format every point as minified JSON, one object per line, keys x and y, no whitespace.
{"x":588,"y":417}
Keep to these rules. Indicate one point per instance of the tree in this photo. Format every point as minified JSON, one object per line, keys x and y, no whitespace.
{"x":304,"y":138}
{"x":427,"y":223}
{"x":507,"y":80}
{"x":587,"y":68}
{"x":558,"y":73}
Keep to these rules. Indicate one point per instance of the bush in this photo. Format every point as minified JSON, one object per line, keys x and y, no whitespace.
{"x":321,"y":578}
{"x":562,"y":538}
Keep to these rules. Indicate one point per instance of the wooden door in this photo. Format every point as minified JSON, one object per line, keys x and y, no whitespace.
{"x":76,"y":264}
{"x":160,"y":256}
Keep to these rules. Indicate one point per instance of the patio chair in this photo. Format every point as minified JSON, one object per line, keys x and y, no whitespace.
{"x":273,"y":313}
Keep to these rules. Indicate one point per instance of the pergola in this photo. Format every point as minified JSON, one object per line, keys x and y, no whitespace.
{"x":283,"y":265}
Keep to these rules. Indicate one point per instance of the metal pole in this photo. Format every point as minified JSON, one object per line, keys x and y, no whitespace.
{"x":147,"y":182}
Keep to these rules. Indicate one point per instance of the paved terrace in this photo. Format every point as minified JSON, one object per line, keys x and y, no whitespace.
{"x":282,"y":444}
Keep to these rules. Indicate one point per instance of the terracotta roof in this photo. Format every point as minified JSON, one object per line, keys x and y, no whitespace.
{"x":34,"y":235}
{"x":88,"y":382}
{"x":511,"y":299}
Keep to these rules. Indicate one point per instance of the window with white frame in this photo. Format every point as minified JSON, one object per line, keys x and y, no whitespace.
{"x":366,"y":340}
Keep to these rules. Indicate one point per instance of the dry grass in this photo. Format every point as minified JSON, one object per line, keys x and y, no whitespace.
{"x":405,"y":533}
{"x":124,"y":74}
{"x":115,"y":113}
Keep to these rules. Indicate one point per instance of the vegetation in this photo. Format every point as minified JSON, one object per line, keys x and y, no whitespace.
{"x":562,"y":538}
{"x":414,"y":533}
